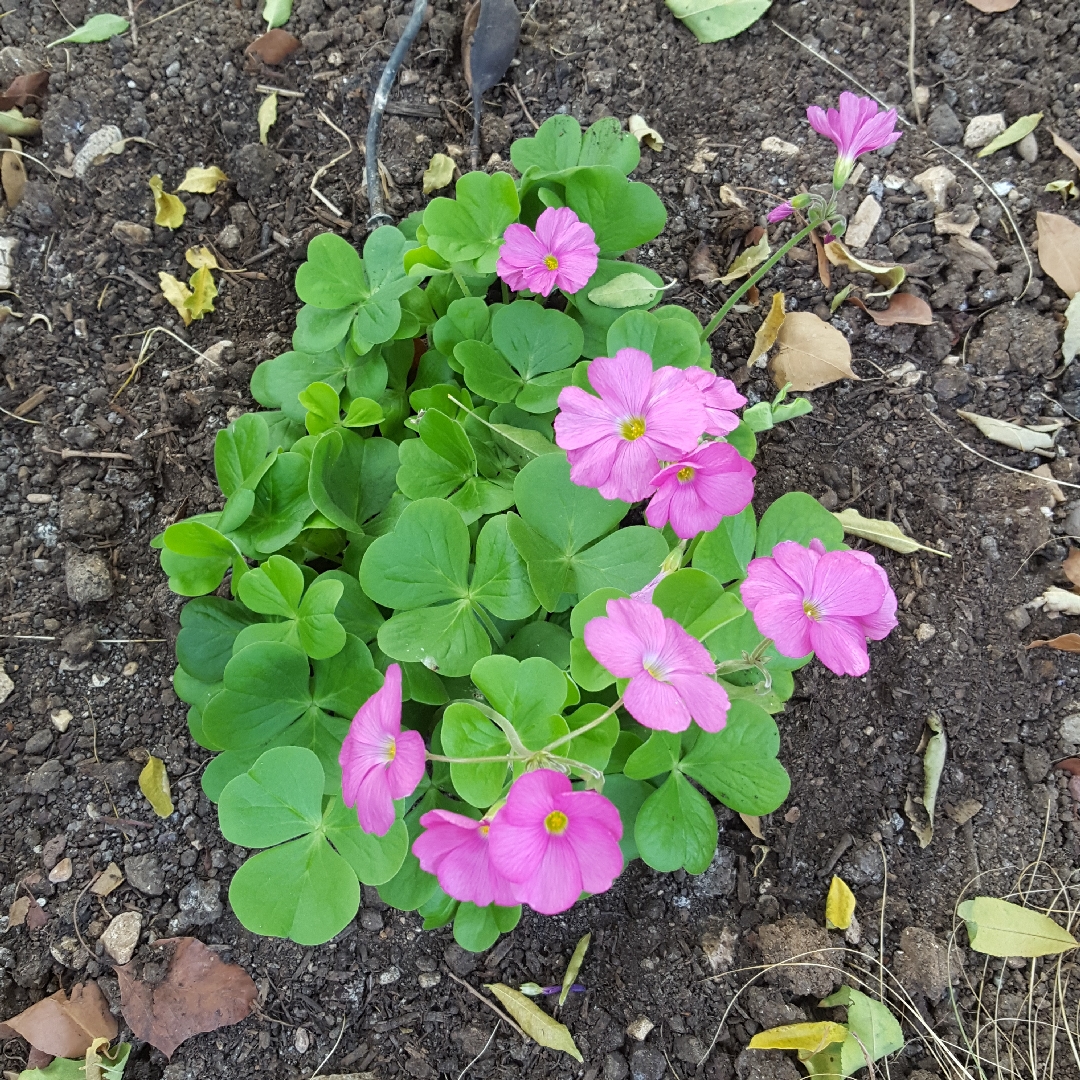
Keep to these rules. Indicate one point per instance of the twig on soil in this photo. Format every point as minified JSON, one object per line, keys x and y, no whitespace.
{"x":524,"y":107}
{"x":264,"y":89}
{"x":67,"y":453}
{"x":61,"y":14}
{"x":491,"y":1005}
{"x":165,"y":15}
{"x":16,"y":416}
{"x":122,"y":823}
{"x":956,"y":157}
{"x":329,"y":165}
{"x":131,"y":20}
{"x":482,"y":1052}
{"x":333,"y":1050}
{"x":672,"y":1067}
{"x":911,"y":67}
{"x":75,"y":910}
{"x":378,"y":215}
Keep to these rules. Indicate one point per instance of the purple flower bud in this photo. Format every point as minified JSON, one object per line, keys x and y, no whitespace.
{"x":781,"y":212}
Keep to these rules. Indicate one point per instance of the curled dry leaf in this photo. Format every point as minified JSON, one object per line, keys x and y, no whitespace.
{"x":1071,"y":566}
{"x":203,"y":292}
{"x":1063,"y":643}
{"x":13,"y":174}
{"x":12,"y":122}
{"x":702,"y":267}
{"x":885,"y":533}
{"x":1066,"y":148}
{"x":199,"y":257}
{"x":1055,"y":601}
{"x":1059,"y":251}
{"x":902,"y":308}
{"x":199,"y":993}
{"x":169,"y":210}
{"x":108,"y":880}
{"x":812,"y":353}
{"x":267,"y":116}
{"x":66,"y":1026}
{"x":933,"y":766}
{"x":273,"y":46}
{"x":730,"y":197}
{"x":639,"y":128}
{"x":439,"y":173}
{"x":888,"y":276}
{"x":748,"y":260}
{"x":536,"y":1023}
{"x":765,"y":337}
{"x":992,"y":7}
{"x":24,"y":88}
{"x":572,"y":969}
{"x":177,"y":293}
{"x":203,"y":181}
{"x":809,"y":1038}
{"x":1012,"y":435}
{"x":753,"y":823}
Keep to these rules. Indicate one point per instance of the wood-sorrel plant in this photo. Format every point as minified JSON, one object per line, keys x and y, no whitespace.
{"x":438,"y":495}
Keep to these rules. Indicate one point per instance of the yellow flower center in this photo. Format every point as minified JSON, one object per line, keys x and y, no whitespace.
{"x":685,"y":474}
{"x":556,"y":822}
{"x":484,"y":829}
{"x":812,"y":610}
{"x":551,"y":262}
{"x":391,"y":751}
{"x":633,"y":428}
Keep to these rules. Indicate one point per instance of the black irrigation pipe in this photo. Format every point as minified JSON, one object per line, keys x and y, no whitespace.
{"x":378,"y":215}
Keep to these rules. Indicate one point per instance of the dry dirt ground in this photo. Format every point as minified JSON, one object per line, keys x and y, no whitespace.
{"x":850,"y":745}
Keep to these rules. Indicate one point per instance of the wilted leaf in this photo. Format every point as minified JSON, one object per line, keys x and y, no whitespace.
{"x":903,"y":308}
{"x":1012,"y":134}
{"x":273,"y":46}
{"x":574,"y":967}
{"x":1066,"y":148}
{"x":765,"y":337}
{"x":991,"y":7}
{"x":198,"y":257}
{"x":169,"y":210}
{"x":98,"y":28}
{"x":12,"y":175}
{"x":885,"y":533}
{"x":753,"y":823}
{"x":66,"y":1026}
{"x":1012,"y":435}
{"x":639,"y":128}
{"x":808,"y":1039}
{"x":1063,"y":643}
{"x":277,"y":12}
{"x":177,"y":293}
{"x":267,"y":116}
{"x":998,"y":928}
{"x":715,"y":20}
{"x":812,"y":353}
{"x":537,"y":1024}
{"x":1058,"y":600}
{"x":702,"y":267}
{"x":103,"y":1064}
{"x":203,"y":291}
{"x":154,"y":784}
{"x":18,"y":911}
{"x":199,"y":993}
{"x":203,"y":181}
{"x":874,"y":1031}
{"x":889,"y":276}
{"x":24,"y":88}
{"x":12,"y":122}
{"x":1071,"y":566}
{"x":625,"y":291}
{"x":933,"y":764}
{"x":1070,"y":343}
{"x":1065,"y":188}
{"x":1059,"y":251}
{"x":839,"y":905}
{"x":748,"y":261}
{"x":439,"y":173}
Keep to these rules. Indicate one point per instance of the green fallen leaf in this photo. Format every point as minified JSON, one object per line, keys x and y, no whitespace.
{"x":267,"y":115}
{"x":277,"y":12}
{"x":624,"y":291}
{"x":12,"y":122}
{"x":715,"y":20}
{"x":1012,"y":134}
{"x":885,"y":533}
{"x":574,"y":967}
{"x":99,"y":28}
{"x":873,"y":1030}
{"x":536,"y":1023}
{"x":1065,"y":188}
{"x":748,"y":261}
{"x":933,"y":764}
{"x":998,"y":928}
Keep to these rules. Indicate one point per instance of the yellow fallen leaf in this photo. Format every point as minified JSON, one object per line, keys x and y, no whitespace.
{"x":765,"y":337}
{"x":1066,"y":148}
{"x":154,"y":784}
{"x":1011,"y":435}
{"x":13,"y":174}
{"x":885,"y":533}
{"x":812,"y":353}
{"x":203,"y":181}
{"x":1059,"y":251}
{"x":267,"y":116}
{"x":753,"y":823}
{"x":198,"y":257}
{"x":639,"y":128}
{"x":574,"y":967}
{"x":839,"y":905}
{"x":439,"y":173}
{"x":537,"y":1024}
{"x":177,"y":293}
{"x":203,"y":291}
{"x":888,"y":276}
{"x":748,"y":261}
{"x":169,"y":210}
{"x":808,"y":1039}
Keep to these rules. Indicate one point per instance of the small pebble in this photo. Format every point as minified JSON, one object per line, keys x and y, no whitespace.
{"x":38,"y":498}
{"x":130,"y":668}
{"x":390,"y":975}
{"x":122,"y":935}
{"x":371,"y":920}
{"x":924,"y":633}
{"x":428,"y":979}
{"x":61,"y":719}
{"x":639,"y":1028}
{"x":302,"y":1041}
{"x":61,"y":872}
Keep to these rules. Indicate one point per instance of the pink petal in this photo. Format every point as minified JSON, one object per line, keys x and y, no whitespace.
{"x":556,"y":883}
{"x":840,"y":645}
{"x":516,"y":850}
{"x":844,"y":585}
{"x":575,"y":270}
{"x":533,"y":796}
{"x":819,"y":120}
{"x":782,"y":618}
{"x":521,"y":250}
{"x":583,"y":419}
{"x":764,"y":580}
{"x":552,"y":226}
{"x":706,"y":699}
{"x":641,"y":621}
{"x":623,"y":381}
{"x":659,"y":509}
{"x":407,"y":768}
{"x":612,"y":647}
{"x":682,"y":653}
{"x":597,"y":852}
{"x":655,"y":704}
{"x":591,"y":806}
{"x":632,"y":471}
{"x":375,"y":805}
{"x":690,"y":513}
{"x":591,"y":465}
{"x":798,"y":563}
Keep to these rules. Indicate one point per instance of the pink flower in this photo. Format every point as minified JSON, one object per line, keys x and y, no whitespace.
{"x":699,"y":489}
{"x":809,"y":600}
{"x":455,"y":849}
{"x":561,"y":253}
{"x":781,"y":212}
{"x":615,"y":442}
{"x":857,"y":128}
{"x":554,"y":842}
{"x":720,"y":398}
{"x":667,"y":668}
{"x":379,"y":761}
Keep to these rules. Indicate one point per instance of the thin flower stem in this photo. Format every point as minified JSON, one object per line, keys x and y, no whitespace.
{"x":506,"y":758}
{"x":587,"y":727}
{"x":519,"y":750}
{"x":752,"y":280}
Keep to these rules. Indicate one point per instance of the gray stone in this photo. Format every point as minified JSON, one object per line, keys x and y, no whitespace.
{"x":132,"y":234}
{"x":317,"y":40}
{"x":145,"y":874}
{"x":943,"y":126}
{"x":981,"y":129}
{"x":229,"y":238}
{"x":1036,"y":763}
{"x":1015,"y":339}
{"x":615,"y":1067}
{"x":200,"y":904}
{"x":647,"y":1063}
{"x":39,"y":742}
{"x":460,"y":961}
{"x":689,"y":1049}
{"x":765,"y":1065}
{"x":81,"y":437}
{"x":429,"y":979}
{"x":719,"y":878}
{"x":83,"y":514}
{"x":922,"y":963}
{"x":46,"y":778}
{"x":1070,"y":729}
{"x":819,"y":964}
{"x":254,"y":167}
{"x":1018,"y":618}
{"x":950,"y":382}
{"x":371,"y":920}
{"x":122,"y":935}
{"x":769,"y":1008}
{"x":1028,"y":148}
{"x":40,"y":206}
{"x":87,"y":578}
{"x":864,"y":866}
{"x":1072,"y":521}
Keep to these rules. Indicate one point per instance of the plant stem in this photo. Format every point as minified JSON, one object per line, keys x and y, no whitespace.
{"x":752,"y":280}
{"x":587,"y":727}
{"x":506,"y":758}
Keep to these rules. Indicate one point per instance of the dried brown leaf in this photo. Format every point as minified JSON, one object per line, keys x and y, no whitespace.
{"x":812,"y":353}
{"x":1066,"y":148}
{"x":66,"y":1026}
{"x":36,"y":917}
{"x":992,"y":7}
{"x":1059,"y":251}
{"x":753,"y":823}
{"x":1063,"y":643}
{"x":109,"y":879}
{"x":702,"y":267}
{"x":273,"y":46}
{"x":765,"y":337}
{"x":824,"y":273}
{"x":903,"y":308}
{"x":24,"y":88}
{"x":199,"y":993}
{"x":1071,"y":566}
{"x":1070,"y":765}
{"x":18,"y":911}
{"x":13,"y":177}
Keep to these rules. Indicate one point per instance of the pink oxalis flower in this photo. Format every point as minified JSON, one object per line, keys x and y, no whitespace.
{"x":615,"y":442}
{"x":669,"y":671}
{"x":562,"y":253}
{"x":699,"y":489}
{"x":810,"y":600}
{"x":720,"y":398}
{"x":456,"y":850}
{"x":781,"y":212}
{"x":379,"y":761}
{"x":856,"y":127}
{"x":555,"y":843}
